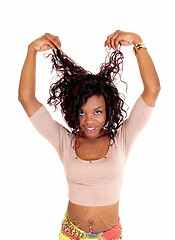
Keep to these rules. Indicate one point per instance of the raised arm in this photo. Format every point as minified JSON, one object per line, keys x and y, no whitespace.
{"x":146,"y":66}
{"x":26,"y":91}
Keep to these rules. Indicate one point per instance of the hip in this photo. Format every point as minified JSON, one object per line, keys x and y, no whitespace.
{"x":71,"y":231}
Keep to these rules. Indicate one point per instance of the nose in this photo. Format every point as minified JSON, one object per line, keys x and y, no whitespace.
{"x":89,"y":119}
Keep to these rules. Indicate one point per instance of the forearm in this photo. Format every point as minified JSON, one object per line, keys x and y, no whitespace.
{"x":147,"y":70}
{"x":27,"y":81}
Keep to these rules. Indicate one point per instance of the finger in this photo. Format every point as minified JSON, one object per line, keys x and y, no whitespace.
{"x":119,"y":40}
{"x":116,"y":43}
{"x":44,"y":48}
{"x":110,"y":39}
{"x":107,"y":42}
{"x":55,"y":40}
{"x":49,"y":43}
{"x":113,"y":41}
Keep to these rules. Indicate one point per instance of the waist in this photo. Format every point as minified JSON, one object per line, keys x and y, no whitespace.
{"x":103,"y":217}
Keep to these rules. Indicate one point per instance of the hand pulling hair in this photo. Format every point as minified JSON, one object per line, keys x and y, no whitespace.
{"x":74,"y":85}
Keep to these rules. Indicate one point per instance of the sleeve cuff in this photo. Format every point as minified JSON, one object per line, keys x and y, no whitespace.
{"x":38,"y":113}
{"x":145,"y":105}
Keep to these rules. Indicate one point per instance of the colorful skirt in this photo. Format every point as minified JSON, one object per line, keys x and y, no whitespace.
{"x":69,"y":231}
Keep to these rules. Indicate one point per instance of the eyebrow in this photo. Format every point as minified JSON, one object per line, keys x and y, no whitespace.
{"x":94,"y":108}
{"x":98,"y":108}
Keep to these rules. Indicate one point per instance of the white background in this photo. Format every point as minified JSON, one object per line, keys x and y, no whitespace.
{"x":33,"y":188}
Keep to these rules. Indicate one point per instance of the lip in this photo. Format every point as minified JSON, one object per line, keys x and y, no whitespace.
{"x":90,"y":129}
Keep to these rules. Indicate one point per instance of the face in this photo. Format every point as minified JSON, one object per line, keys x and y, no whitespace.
{"x":93,"y":116}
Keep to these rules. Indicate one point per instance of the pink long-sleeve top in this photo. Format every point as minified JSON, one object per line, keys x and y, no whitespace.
{"x":99,"y":182}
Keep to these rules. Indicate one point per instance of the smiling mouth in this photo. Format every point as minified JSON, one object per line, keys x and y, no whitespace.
{"x":90,"y":129}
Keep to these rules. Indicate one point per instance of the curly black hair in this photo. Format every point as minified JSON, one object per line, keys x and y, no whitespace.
{"x":75,"y":85}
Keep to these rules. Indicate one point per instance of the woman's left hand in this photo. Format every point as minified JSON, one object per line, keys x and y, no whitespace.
{"x":122,"y":38}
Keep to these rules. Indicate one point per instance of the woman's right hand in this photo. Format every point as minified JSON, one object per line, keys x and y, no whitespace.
{"x":46,"y":42}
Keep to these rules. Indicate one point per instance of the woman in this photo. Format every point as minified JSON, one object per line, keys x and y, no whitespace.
{"x":95,"y":152}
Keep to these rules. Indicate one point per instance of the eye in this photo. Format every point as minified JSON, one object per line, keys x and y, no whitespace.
{"x":98,"y":112}
{"x":82,"y":113}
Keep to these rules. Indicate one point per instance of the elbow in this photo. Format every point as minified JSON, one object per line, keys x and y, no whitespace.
{"x":154,"y":92}
{"x":25,"y":96}
{"x":157,"y":86}
{"x":154,"y":88}
{"x":21,"y":98}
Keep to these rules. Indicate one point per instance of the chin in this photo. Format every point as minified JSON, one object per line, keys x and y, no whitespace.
{"x":92,"y":134}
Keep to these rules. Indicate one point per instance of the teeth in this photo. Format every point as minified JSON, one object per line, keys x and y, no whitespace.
{"x":90,"y":128}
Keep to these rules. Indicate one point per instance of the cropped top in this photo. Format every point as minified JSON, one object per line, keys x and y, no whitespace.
{"x":98,"y":182}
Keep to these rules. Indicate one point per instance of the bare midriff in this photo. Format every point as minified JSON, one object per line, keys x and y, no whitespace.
{"x":109,"y":214}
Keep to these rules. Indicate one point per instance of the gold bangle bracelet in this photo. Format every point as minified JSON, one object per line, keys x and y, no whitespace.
{"x":138,"y":46}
